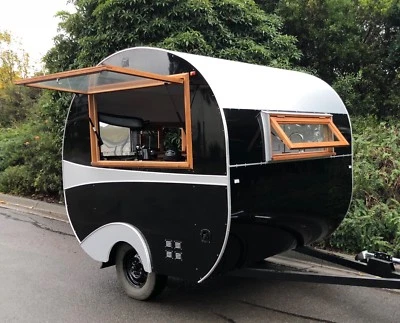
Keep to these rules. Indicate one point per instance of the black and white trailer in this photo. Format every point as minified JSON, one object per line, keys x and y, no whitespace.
{"x":190,"y":166}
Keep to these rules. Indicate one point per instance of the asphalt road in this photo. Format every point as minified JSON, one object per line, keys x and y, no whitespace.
{"x":46,"y":277}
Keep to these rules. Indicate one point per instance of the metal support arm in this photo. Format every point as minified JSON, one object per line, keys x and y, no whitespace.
{"x":309,"y":277}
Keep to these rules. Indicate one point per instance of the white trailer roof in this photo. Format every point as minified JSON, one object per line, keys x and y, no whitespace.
{"x":239,"y":85}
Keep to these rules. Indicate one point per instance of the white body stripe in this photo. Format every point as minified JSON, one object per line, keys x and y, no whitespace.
{"x":77,"y":175}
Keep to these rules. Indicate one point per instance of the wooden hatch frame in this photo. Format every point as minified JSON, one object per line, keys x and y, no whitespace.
{"x":276,"y":120}
{"x":60,"y":82}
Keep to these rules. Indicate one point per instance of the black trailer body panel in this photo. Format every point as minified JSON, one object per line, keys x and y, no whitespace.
{"x":292,"y":197}
{"x":161,"y":211}
{"x":245,"y":137}
{"x":277,"y":206}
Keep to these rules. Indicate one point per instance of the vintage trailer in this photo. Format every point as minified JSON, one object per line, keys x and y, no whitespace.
{"x":190,"y":166}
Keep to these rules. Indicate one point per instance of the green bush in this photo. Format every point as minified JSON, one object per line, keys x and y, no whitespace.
{"x":16,"y":180}
{"x":30,"y":160}
{"x":376,"y":160}
{"x":376,"y":228}
{"x":373,"y":221}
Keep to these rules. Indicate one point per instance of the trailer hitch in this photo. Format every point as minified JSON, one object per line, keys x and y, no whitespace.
{"x":364,"y":256}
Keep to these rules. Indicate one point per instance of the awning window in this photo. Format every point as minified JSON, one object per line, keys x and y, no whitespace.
{"x":294,"y":136}
{"x":100,"y":79}
{"x":130,"y":129}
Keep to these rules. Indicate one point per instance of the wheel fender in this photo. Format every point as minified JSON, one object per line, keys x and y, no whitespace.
{"x":99,"y":243}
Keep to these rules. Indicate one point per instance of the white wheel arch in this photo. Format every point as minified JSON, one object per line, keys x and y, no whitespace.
{"x":100,"y":242}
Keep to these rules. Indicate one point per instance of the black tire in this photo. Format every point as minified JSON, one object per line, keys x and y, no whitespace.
{"x":137,"y":283}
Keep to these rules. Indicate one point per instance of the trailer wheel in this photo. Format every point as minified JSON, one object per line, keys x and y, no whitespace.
{"x":137,"y":283}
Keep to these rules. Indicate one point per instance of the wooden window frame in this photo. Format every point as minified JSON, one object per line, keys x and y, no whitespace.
{"x":276,"y":120}
{"x":186,"y":140}
{"x":149,"y":80}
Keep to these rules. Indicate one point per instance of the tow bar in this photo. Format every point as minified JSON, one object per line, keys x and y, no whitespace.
{"x":375,"y":264}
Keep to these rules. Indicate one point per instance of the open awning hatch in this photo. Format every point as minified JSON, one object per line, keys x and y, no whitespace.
{"x":100,"y":79}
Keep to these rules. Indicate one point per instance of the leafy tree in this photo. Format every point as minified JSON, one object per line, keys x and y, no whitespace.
{"x":13,"y":63}
{"x":327,"y":33}
{"x":29,"y":150}
{"x":233,"y":29}
{"x":349,"y":42}
{"x":15,"y":102}
{"x":381,"y":66}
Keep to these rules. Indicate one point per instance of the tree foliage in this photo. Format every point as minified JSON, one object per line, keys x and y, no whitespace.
{"x":30,"y":159}
{"x":232,"y":29}
{"x":15,"y":102}
{"x":13,"y":63}
{"x":29,"y":150}
{"x":374,"y":218}
{"x":344,"y":41}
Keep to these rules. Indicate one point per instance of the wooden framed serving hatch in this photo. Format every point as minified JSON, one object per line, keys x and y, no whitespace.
{"x":106,"y":83}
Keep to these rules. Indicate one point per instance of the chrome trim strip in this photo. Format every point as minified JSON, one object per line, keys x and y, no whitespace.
{"x":228,"y":193}
{"x":249,"y":164}
{"x":63,"y":169}
{"x":294,"y":159}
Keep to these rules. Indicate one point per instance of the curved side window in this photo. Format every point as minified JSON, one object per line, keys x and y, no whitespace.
{"x":295,"y":136}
